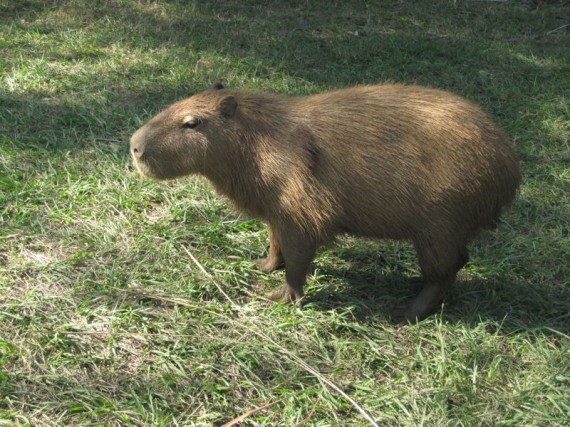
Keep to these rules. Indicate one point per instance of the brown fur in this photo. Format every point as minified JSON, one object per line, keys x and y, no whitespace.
{"x":386,"y":161}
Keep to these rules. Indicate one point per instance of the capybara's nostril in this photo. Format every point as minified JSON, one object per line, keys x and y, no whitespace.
{"x":136,"y":150}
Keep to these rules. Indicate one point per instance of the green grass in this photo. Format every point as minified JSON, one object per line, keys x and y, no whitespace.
{"x":106,"y":320}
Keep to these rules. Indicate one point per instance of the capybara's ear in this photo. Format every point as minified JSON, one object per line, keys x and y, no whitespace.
{"x":228,"y":106}
{"x":218,"y":86}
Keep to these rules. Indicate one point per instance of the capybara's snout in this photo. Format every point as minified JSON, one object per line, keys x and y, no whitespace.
{"x":154,"y":158}
{"x":137,"y":144}
{"x":139,"y":148}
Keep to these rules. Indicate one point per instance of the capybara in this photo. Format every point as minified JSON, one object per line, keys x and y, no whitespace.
{"x":386,"y":161}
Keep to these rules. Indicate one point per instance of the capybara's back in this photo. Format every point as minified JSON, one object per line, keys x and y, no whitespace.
{"x":385,"y":161}
{"x":399,"y":161}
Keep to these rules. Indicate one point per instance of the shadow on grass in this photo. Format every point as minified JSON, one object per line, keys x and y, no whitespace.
{"x":517,"y":304}
{"x":492,"y":53}
{"x":42,"y":121}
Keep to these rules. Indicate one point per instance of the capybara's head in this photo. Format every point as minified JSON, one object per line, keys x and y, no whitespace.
{"x":180,"y":140}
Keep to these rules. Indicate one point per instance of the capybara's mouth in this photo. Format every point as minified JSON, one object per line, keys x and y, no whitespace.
{"x":146,"y":169}
{"x":142,"y":170}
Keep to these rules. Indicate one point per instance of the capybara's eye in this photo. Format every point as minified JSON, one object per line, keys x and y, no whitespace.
{"x":191,"y":123}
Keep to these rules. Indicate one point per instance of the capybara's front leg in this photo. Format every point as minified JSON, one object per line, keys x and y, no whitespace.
{"x":298,"y":253}
{"x":275,"y":258}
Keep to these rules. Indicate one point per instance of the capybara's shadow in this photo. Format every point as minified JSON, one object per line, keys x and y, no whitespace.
{"x":514,"y":303}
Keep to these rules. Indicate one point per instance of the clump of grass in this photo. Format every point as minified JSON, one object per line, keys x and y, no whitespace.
{"x":105,"y":319}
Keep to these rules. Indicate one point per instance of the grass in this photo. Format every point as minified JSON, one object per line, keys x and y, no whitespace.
{"x":106,"y":320}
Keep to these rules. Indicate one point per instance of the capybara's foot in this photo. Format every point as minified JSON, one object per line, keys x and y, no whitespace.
{"x":406,"y":314}
{"x":416,"y":280}
{"x":286,"y":295}
{"x":424,"y":304}
{"x":269,"y":264}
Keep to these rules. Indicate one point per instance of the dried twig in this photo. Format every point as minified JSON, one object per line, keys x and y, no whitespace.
{"x":270,"y":340}
{"x":307,"y":418}
{"x":209,"y":276}
{"x":239,"y":419}
{"x":292,"y":356}
{"x":559,"y":28}
{"x":260,"y":334}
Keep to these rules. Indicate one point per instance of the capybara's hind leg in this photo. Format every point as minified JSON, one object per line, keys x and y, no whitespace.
{"x":297,"y":254}
{"x":274,"y":259}
{"x":439,"y":262}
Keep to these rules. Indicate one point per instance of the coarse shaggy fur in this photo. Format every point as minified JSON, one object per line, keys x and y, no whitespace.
{"x":384,"y":161}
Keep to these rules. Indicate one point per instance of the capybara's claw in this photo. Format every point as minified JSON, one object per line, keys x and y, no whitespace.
{"x":286,"y":295}
{"x":416,"y":280}
{"x":402,"y":315}
{"x":412,"y":313}
{"x":274,"y":295}
{"x":268,"y":264}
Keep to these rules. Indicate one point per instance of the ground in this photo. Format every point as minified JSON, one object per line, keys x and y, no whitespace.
{"x":105,"y":318}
